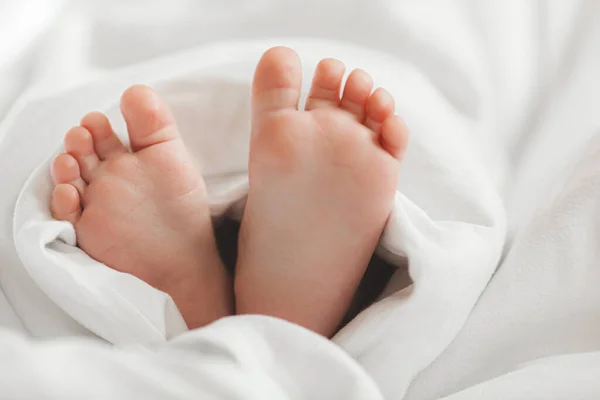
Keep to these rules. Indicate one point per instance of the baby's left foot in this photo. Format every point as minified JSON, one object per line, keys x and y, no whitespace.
{"x":143,"y":212}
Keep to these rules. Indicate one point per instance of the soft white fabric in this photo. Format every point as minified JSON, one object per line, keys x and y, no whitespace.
{"x":452,"y":246}
{"x":240,"y":358}
{"x":539,"y":349}
{"x":572,"y":376}
{"x":525,"y":71}
{"x":544,"y":300}
{"x":21,"y":23}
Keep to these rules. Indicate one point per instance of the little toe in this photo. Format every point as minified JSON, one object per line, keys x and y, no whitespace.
{"x":356,"y":93}
{"x":79,"y":144}
{"x":326,"y":84}
{"x":277,"y":81}
{"x":65,"y":169}
{"x":380,"y":106}
{"x":65,"y":204}
{"x":149,"y":119}
{"x":394,"y":136}
{"x":106,"y":142}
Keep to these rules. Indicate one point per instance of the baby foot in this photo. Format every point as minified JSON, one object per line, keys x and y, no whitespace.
{"x":322,"y":185}
{"x":143,"y":212}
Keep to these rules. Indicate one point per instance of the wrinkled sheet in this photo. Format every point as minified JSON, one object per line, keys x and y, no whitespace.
{"x":217,"y":362}
{"x":452,"y":247}
{"x":531,"y":92}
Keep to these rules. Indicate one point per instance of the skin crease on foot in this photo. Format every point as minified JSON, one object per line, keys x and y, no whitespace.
{"x":145,"y":211}
{"x":322,"y":186}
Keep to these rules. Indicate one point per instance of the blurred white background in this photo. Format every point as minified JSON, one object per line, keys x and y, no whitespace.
{"x":59,"y":43}
{"x":63,"y":42}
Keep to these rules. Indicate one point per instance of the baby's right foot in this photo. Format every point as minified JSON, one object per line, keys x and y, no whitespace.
{"x":322,"y":185}
{"x":144,"y":212}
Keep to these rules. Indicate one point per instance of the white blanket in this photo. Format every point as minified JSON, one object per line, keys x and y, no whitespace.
{"x":470,"y":90}
{"x":452,"y":246}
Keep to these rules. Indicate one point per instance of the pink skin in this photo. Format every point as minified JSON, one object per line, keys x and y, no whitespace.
{"x":143,"y":212}
{"x":322,"y":185}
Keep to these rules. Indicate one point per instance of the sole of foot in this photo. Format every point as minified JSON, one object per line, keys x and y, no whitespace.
{"x":322,"y":186}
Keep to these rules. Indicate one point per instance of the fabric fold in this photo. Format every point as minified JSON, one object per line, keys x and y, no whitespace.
{"x":447,"y":222}
{"x":241,"y":358}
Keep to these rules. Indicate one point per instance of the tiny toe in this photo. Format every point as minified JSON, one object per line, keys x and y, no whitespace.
{"x":394,"y":136}
{"x":79,"y":144}
{"x":356,"y":93}
{"x":65,"y":204}
{"x":149,"y":119}
{"x":65,"y":169}
{"x":277,"y":81}
{"x":380,"y":106}
{"x":326,"y":84}
{"x":106,"y":142}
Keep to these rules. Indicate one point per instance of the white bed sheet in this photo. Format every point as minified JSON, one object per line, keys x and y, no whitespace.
{"x":544,"y":299}
{"x":456,"y":241}
{"x":536,"y":80}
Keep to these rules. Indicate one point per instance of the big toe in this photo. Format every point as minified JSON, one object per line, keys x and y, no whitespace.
{"x":277,"y":81}
{"x":149,"y":119}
